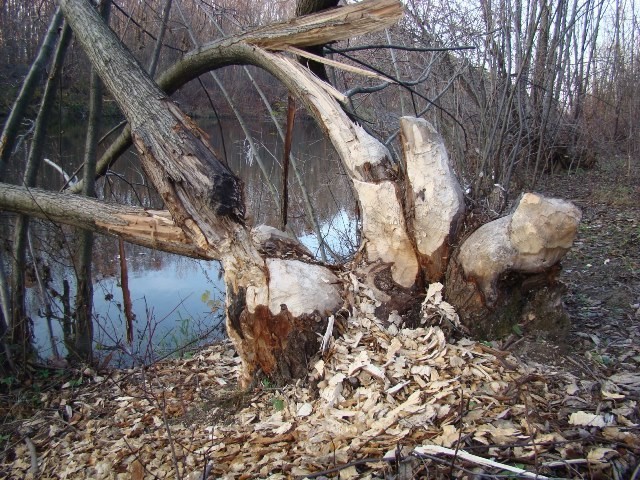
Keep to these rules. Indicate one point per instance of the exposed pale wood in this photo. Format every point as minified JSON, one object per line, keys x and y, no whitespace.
{"x":277,"y":306}
{"x":506,"y":271}
{"x":339,"y":65}
{"x":434,"y":198}
{"x":303,"y":287}
{"x":149,"y":228}
{"x":385,"y":231}
{"x":530,"y":240}
{"x":321,"y":28}
{"x":278,"y":339}
{"x":366,"y":160}
{"x":333,"y":25}
{"x":328,"y":26}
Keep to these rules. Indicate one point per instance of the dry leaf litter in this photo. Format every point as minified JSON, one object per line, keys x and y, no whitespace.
{"x":379,"y":389}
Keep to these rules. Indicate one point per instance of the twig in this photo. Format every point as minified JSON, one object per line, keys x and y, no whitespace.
{"x":475,"y":474}
{"x":145,"y":31}
{"x":117,"y":127}
{"x":404,"y":85}
{"x":34,"y":456}
{"x":335,"y":64}
{"x":436,"y":449}
{"x":207,"y":470}
{"x":562,"y":463}
{"x":532,"y":429}
{"x":584,"y":367}
{"x":460,"y":426}
{"x":327,"y":335}
{"x":402,"y":47}
{"x":136,"y":454}
{"x":126,"y":294}
{"x":169,"y":436}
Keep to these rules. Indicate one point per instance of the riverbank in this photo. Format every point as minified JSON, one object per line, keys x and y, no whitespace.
{"x":560,"y":407}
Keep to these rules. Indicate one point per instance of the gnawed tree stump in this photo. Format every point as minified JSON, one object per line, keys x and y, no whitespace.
{"x":279,"y":300}
{"x":501,"y":266}
{"x":276,"y":339}
{"x":434,"y":199}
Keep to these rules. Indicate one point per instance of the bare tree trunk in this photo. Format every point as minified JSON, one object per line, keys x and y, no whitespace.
{"x":155,"y":56}
{"x":44,"y":300}
{"x":10,"y":130}
{"x":126,"y":294}
{"x":5,"y":317}
{"x":20,"y":323}
{"x":83,"y":342}
{"x":291,"y":113}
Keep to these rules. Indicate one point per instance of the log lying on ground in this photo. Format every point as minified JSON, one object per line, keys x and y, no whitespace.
{"x":504,"y":261}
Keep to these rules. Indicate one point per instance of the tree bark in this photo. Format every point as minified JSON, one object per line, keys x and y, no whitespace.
{"x":350,"y":21}
{"x":20,"y":323}
{"x":277,"y":299}
{"x":83,"y":342}
{"x":204,"y":197}
{"x":10,"y":130}
{"x":149,"y":228}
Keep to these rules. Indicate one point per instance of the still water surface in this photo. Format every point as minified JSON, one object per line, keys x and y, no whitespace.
{"x":176,"y":299}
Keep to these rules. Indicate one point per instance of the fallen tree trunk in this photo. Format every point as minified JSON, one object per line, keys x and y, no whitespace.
{"x":149,"y":228}
{"x":278,"y":299}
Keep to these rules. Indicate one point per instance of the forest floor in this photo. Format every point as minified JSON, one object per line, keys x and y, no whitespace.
{"x":383,"y":402}
{"x":601,"y":271}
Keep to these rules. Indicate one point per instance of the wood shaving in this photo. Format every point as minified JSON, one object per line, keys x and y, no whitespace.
{"x":371,"y":393}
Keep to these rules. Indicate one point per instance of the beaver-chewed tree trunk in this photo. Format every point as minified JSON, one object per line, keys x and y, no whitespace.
{"x":278,"y":298}
{"x":505,"y":272}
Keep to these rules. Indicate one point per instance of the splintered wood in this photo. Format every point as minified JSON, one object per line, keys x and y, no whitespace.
{"x":379,"y":389}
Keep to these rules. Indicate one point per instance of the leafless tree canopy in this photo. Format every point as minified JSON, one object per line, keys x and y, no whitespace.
{"x":547,"y":83}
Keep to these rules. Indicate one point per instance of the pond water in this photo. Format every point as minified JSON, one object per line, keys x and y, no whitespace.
{"x":176,"y":300}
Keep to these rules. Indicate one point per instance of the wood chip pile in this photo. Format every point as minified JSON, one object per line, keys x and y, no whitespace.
{"x":378,"y":389}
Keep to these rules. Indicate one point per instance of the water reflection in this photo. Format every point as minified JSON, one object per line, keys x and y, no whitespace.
{"x":176,"y":299}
